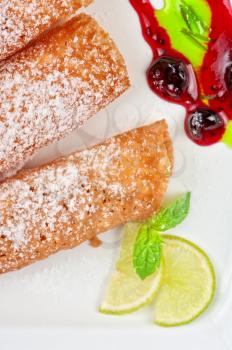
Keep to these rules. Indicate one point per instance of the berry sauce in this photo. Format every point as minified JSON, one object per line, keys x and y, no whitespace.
{"x":206,"y":91}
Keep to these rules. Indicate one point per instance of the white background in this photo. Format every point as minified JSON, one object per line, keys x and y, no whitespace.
{"x":53,"y":304}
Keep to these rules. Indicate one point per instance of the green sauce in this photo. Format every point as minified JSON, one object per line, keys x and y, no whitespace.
{"x":227,"y":137}
{"x":180,"y":22}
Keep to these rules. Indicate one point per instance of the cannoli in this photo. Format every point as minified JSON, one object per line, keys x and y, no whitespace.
{"x":55,"y":85}
{"x":23,"y":21}
{"x":68,"y":201}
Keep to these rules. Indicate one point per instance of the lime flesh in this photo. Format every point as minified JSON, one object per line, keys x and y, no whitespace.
{"x":188,"y":284}
{"x":183,"y":287}
{"x":126,"y":292}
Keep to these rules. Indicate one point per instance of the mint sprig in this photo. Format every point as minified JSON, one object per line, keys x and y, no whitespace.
{"x":195,"y":38}
{"x":147,"y":252}
{"x":173,"y":215}
{"x":196,"y":27}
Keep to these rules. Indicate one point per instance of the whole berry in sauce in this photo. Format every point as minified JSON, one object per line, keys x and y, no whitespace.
{"x":205,"y":127}
{"x":228,"y":77}
{"x":168,"y":76}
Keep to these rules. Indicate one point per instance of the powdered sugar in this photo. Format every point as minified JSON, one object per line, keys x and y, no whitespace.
{"x":23,"y":21}
{"x":54,"y":86}
{"x":59,"y":205}
{"x":57,"y":193}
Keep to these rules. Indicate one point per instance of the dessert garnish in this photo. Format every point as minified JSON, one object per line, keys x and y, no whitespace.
{"x":192,"y":62}
{"x":147,"y":248}
{"x":171,"y":271}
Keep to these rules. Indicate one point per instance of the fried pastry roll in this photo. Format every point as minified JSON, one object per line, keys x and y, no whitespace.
{"x":22,"y":21}
{"x":55,"y":85}
{"x":62,"y":204}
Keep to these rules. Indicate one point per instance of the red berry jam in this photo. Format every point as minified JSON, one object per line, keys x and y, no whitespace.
{"x":228,"y":77}
{"x":205,"y":92}
{"x":204,"y":126}
{"x":168,"y":77}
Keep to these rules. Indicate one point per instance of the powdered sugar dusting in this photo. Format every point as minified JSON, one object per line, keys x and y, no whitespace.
{"x":71,"y":200}
{"x":23,"y":21}
{"x":56,"y":85}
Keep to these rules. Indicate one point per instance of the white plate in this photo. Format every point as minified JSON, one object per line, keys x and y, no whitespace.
{"x":53,"y":304}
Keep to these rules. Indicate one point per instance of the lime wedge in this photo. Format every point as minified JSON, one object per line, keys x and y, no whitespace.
{"x":188,"y":284}
{"x":126,"y":292}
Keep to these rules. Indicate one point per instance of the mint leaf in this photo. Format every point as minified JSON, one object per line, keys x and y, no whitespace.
{"x":195,"y":38}
{"x":147,"y":251}
{"x":173,"y":215}
{"x":194,"y":23}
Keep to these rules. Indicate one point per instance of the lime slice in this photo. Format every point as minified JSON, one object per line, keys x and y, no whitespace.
{"x":188,"y":284}
{"x":126,"y":292}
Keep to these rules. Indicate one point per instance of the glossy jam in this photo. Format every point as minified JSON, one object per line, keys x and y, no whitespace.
{"x":204,"y":126}
{"x":168,"y":77}
{"x":205,"y":91}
